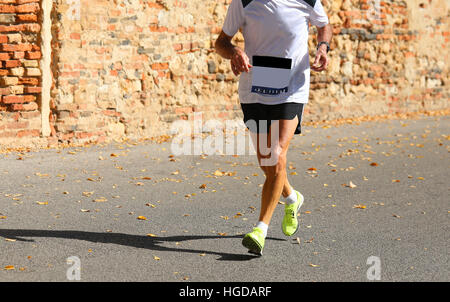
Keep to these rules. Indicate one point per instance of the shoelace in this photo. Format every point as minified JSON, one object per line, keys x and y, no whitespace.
{"x":291,"y":213}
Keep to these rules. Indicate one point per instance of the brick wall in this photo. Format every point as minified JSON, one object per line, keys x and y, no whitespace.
{"x":19,"y":70}
{"x":131,"y":68}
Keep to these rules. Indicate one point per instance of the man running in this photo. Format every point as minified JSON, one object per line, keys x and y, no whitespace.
{"x":273,"y":89}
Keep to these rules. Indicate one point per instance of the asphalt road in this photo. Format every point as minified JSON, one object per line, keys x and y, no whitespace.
{"x":374,"y":189}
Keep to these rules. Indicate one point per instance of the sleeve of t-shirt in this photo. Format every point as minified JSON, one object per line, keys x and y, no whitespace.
{"x":234,"y":19}
{"x":317,"y":16}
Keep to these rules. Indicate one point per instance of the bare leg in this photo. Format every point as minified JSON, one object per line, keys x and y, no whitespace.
{"x":276,"y":182}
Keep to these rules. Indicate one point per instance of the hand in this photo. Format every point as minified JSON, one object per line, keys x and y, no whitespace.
{"x":322,"y":60}
{"x":239,"y":62}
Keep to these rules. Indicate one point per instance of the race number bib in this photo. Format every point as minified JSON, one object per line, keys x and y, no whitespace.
{"x":270,"y":75}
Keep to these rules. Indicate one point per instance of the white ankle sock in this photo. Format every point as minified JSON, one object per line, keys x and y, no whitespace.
{"x":264,"y":227}
{"x":292,"y":198}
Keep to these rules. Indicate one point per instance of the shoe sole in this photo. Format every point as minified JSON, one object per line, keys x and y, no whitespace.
{"x":253,"y":246}
{"x":298,"y":224}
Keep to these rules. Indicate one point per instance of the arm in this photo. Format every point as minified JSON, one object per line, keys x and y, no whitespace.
{"x":323,"y":34}
{"x":238,"y":59}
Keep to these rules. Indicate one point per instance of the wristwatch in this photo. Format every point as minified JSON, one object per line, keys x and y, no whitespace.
{"x":326,"y":43}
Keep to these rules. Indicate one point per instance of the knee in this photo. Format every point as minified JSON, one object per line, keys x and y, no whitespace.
{"x":275,"y":164}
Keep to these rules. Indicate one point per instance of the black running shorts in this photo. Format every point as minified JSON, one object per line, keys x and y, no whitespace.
{"x":260,"y":112}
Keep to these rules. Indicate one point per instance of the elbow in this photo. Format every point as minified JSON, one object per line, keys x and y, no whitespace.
{"x":216,"y":45}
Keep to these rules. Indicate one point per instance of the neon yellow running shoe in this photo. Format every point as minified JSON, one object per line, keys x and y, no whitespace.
{"x":290,"y":221}
{"x":254,"y":241}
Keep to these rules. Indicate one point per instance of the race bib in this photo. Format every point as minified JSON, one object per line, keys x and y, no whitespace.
{"x":270,"y":75}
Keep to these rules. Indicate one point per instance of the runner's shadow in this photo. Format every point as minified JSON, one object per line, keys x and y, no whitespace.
{"x":137,"y":241}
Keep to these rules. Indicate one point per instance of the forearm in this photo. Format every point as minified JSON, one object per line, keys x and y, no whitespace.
{"x":225,"y":48}
{"x":324,"y":34}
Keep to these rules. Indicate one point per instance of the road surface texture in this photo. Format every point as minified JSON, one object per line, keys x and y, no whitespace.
{"x":132,"y":212}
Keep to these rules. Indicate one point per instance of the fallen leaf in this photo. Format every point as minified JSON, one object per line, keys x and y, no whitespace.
{"x":142,"y":218}
{"x":352,"y":185}
{"x":10,"y":240}
{"x":373,"y":164}
{"x":359,"y":206}
{"x":2,"y":217}
{"x":310,"y":240}
{"x":396,"y":216}
{"x":42,"y":202}
{"x":156,"y":258}
{"x":313,"y":265}
{"x":101,"y":199}
{"x":9,"y":267}
{"x":151,"y":235}
{"x":218,"y":173}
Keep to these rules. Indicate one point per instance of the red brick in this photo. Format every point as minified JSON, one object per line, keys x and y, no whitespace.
{"x":25,"y":107}
{"x":160,"y":66}
{"x":10,"y":99}
{"x":12,"y":63}
{"x":29,"y":89}
{"x":32,"y":27}
{"x":28,"y":8}
{"x":75,"y":36}
{"x":4,"y":56}
{"x":26,"y":18}
{"x":177,"y":46}
{"x":17,"y":125}
{"x":29,"y":81}
{"x":16,"y":47}
{"x":33,"y":55}
{"x":34,"y":132}
{"x":26,"y":1}
{"x":5,"y":8}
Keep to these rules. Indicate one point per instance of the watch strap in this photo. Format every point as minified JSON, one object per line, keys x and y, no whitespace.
{"x":326,"y":43}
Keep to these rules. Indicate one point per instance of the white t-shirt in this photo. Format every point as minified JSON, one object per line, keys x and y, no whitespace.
{"x":276,"y":42}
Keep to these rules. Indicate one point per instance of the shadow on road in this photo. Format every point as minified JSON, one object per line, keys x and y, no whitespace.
{"x":146,"y":242}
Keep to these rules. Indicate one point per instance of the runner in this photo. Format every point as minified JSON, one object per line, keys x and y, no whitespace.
{"x":273,"y":89}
